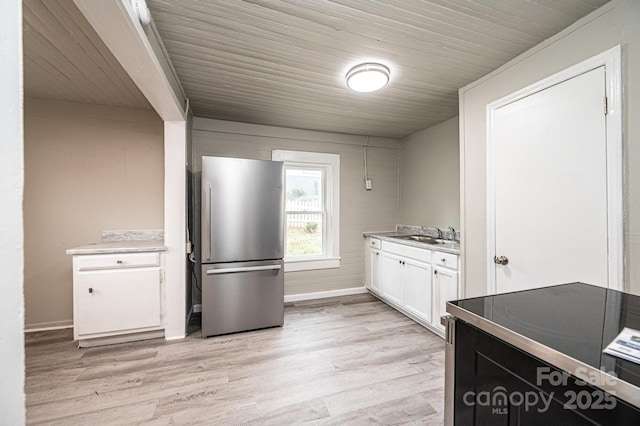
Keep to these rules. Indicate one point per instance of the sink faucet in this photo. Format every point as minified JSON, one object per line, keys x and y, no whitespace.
{"x":439,"y":233}
{"x":453,"y":233}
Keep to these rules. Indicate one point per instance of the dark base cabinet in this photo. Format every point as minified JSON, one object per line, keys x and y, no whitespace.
{"x":498,"y":384}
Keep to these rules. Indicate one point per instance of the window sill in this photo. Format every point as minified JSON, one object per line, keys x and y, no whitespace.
{"x":311,"y":264}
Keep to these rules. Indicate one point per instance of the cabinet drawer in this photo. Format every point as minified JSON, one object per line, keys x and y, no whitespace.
{"x":124,"y":260}
{"x":374,"y":243}
{"x":415,"y":253}
{"x":447,"y":260}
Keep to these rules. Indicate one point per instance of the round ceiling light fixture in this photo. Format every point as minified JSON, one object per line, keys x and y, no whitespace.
{"x":368,"y":77}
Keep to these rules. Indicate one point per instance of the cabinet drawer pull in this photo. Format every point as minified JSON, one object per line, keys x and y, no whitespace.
{"x":119,"y":262}
{"x":91,"y":290}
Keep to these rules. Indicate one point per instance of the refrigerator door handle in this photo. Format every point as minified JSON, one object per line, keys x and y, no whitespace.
{"x":208,"y":218}
{"x":245,"y":269}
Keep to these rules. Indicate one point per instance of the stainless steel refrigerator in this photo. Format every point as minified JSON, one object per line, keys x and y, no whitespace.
{"x":242,"y":244}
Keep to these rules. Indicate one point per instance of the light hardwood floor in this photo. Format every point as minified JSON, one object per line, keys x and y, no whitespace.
{"x":347,"y":360}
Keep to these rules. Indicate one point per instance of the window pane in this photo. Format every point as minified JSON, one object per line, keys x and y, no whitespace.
{"x":304,"y":235}
{"x":305,"y":193}
{"x":304,"y":189}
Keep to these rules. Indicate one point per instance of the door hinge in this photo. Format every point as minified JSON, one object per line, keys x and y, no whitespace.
{"x":606,"y":105}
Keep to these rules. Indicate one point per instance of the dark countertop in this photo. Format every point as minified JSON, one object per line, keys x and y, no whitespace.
{"x":567,"y":326}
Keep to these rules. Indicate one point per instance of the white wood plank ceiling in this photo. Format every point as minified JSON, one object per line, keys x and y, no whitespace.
{"x":282,"y":62}
{"x":64,"y":59}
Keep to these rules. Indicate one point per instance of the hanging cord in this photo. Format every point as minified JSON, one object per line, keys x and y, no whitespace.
{"x":193,"y":272}
{"x":192,"y":261}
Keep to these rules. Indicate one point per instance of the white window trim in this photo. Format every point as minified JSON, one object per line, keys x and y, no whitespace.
{"x":332,"y":257}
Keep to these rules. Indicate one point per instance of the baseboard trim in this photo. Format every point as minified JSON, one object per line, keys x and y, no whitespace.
{"x":324,"y":294}
{"x":122,"y":338}
{"x":48,"y":326}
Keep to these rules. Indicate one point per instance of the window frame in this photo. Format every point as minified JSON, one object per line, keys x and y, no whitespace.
{"x":331,"y":226}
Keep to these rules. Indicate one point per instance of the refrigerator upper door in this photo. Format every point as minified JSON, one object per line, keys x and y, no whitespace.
{"x":242,"y":209}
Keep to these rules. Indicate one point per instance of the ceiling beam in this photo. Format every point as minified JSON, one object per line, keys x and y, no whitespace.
{"x":139,"y":52}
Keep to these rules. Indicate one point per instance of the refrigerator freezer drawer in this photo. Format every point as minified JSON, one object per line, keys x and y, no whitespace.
{"x":242,"y":296}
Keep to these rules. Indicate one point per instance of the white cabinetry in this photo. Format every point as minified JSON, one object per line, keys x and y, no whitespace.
{"x":406,"y":278}
{"x":445,"y":285}
{"x":392,"y":279}
{"x":373,"y":264}
{"x":417,"y":288}
{"x":416,"y":281}
{"x":115,"y":295}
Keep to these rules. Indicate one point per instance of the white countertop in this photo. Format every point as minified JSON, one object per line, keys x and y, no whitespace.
{"x":453,"y":248}
{"x":125,"y":246}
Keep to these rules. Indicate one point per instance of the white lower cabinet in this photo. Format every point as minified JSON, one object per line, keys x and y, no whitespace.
{"x":445,"y":288}
{"x":117,"y":300}
{"x":373,"y":260}
{"x":375,"y":269}
{"x":417,"y":289}
{"x":418,"y":282}
{"x":392,"y":280}
{"x":116,"y":294}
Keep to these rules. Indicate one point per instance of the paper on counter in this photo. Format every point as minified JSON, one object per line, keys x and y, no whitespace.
{"x":626,"y":345}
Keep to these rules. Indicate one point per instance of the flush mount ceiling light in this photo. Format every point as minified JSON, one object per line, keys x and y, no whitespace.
{"x":367,"y":77}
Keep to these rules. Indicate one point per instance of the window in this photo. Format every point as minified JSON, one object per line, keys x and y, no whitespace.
{"x":312,"y":187}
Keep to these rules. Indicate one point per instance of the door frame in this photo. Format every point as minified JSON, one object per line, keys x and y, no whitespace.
{"x":611,"y":60}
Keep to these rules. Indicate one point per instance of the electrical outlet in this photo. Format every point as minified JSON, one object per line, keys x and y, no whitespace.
{"x":367,"y":184}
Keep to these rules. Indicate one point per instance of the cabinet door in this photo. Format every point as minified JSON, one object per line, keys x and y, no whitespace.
{"x":485,"y":365}
{"x":445,"y":288}
{"x":417,"y":289}
{"x":391,"y":277}
{"x":374,"y":270}
{"x":117,"y":300}
{"x":367,"y":264}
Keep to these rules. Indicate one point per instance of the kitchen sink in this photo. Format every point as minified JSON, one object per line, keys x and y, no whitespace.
{"x":423,"y":239}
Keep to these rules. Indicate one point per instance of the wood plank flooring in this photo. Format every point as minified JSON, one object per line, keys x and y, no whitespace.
{"x":338,"y":361}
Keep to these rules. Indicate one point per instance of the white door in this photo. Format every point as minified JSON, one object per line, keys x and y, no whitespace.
{"x":550,"y":186}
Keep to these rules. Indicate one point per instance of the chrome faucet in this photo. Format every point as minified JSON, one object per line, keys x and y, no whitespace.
{"x":453,"y":233}
{"x":439,"y":233}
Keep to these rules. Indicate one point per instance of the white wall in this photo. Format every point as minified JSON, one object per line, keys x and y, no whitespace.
{"x":12,"y":398}
{"x":175,"y":203}
{"x":430,"y":183}
{"x":360,"y":210}
{"x":615,"y":23}
{"x":88,"y":168}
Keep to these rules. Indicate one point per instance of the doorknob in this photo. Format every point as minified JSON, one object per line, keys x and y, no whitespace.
{"x":501,"y":260}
